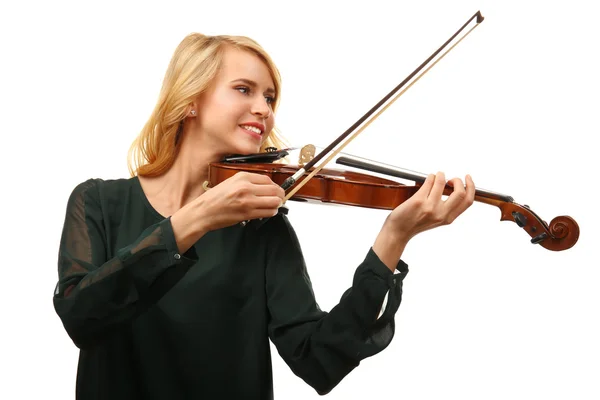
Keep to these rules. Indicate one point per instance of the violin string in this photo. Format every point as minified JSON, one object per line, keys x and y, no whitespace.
{"x":334,"y":153}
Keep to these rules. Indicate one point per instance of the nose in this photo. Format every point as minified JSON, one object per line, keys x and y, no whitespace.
{"x":260,"y":107}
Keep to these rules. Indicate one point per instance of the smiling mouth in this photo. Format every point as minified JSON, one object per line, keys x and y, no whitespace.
{"x":252,"y":129}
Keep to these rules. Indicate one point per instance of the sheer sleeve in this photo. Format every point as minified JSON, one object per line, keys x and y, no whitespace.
{"x":323,"y":347}
{"x":95,"y":293}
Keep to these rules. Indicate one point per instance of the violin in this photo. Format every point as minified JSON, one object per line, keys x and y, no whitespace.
{"x":310,"y":183}
{"x":350,"y":188}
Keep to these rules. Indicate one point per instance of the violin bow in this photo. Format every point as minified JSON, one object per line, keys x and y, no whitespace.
{"x":351,"y":133}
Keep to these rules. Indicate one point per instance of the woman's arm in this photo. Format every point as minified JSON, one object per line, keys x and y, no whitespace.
{"x":96,"y":294}
{"x":320,"y":347}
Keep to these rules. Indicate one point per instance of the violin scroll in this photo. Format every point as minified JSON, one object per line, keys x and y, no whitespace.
{"x":561,"y":234}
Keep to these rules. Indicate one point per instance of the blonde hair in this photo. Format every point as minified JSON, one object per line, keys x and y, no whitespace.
{"x":192,"y":68}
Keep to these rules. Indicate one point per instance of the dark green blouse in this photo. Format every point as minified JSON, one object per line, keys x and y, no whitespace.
{"x":151,"y":323}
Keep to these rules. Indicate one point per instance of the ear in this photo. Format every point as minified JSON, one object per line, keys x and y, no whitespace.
{"x":191,"y":111}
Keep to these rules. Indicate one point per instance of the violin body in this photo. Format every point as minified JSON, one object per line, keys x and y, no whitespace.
{"x":328,"y":186}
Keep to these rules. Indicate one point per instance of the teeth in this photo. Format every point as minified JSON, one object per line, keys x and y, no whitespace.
{"x":252,"y":128}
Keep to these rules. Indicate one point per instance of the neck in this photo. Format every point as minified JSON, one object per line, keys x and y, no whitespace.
{"x":182,"y":183}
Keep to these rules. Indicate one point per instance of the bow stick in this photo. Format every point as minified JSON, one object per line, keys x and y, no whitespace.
{"x":292,"y":180}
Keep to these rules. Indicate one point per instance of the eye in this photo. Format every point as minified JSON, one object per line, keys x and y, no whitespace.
{"x":243,"y":89}
{"x":270,"y":99}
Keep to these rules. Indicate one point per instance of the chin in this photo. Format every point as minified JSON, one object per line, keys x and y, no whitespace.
{"x":244,"y":143}
{"x":245,"y":149}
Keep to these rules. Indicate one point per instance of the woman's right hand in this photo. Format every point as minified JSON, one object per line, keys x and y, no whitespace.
{"x":242,"y":197}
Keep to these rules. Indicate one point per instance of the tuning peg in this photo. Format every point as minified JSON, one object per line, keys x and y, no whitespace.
{"x":520,"y":219}
{"x":539,"y":238}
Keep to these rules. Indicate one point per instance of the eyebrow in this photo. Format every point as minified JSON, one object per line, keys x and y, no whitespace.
{"x":253,"y":84}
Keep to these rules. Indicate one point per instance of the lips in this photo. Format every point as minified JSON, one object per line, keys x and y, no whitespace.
{"x":251,"y":131}
{"x":255,"y":127}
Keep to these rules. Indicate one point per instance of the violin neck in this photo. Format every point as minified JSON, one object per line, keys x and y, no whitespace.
{"x":390,"y":170}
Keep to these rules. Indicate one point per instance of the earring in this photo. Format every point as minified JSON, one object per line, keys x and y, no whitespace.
{"x":193,"y":112}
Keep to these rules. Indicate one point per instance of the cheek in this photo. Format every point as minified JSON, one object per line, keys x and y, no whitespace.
{"x":269,"y":127}
{"x":270,"y":123}
{"x":222,"y":106}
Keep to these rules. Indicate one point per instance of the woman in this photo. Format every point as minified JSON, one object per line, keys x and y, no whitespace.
{"x":167,"y":295}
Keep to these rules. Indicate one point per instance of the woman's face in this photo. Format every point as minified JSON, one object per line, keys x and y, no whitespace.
{"x":235,"y":114}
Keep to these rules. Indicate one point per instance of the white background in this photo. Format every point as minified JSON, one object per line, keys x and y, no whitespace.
{"x":485,"y":314}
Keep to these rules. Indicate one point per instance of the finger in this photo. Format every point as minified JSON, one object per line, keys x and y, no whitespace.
{"x":425,"y":188}
{"x":260,"y":179}
{"x":456,"y":183}
{"x":264,"y":207}
{"x":464,"y":201}
{"x":458,"y":194}
{"x":268,"y":190}
{"x":262,"y":213}
{"x":438,"y":186}
{"x":268,"y":185}
{"x":265,"y":202}
{"x":470,"y":188}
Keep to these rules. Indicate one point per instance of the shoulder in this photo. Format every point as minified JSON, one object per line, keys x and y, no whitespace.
{"x":97,"y":189}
